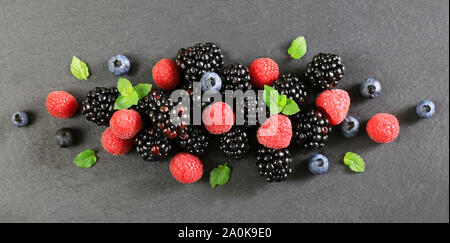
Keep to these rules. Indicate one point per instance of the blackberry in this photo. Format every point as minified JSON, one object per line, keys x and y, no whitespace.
{"x":152,"y":145}
{"x":249,"y":111}
{"x":235,"y":77}
{"x":98,"y":105}
{"x":289,"y":85}
{"x":325,"y":71}
{"x":235,"y":143}
{"x":311,"y":129}
{"x":274,"y":164}
{"x":197,"y":60}
{"x":194,"y":139}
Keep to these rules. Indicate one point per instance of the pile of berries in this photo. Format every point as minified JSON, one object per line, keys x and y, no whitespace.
{"x":148,"y":125}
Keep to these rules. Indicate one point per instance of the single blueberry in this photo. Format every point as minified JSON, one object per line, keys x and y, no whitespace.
{"x":349,"y":127}
{"x":318,"y":164}
{"x":20,"y":118}
{"x":64,"y":137}
{"x":370,"y":88}
{"x":425,"y":109}
{"x":119,"y":65}
{"x":211,"y":82}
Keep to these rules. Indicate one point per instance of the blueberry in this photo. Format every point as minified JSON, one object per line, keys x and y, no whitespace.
{"x":119,"y":65}
{"x":370,"y":88}
{"x":211,"y":82}
{"x":425,"y":109}
{"x":318,"y":164}
{"x":64,"y":137}
{"x":349,"y":127}
{"x":20,"y":118}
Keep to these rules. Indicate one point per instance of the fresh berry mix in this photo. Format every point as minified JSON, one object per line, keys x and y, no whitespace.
{"x":311,"y":129}
{"x":263,"y":71}
{"x":64,"y":137}
{"x":211,"y":81}
{"x":166,"y":75}
{"x":349,"y":127}
{"x":274,"y":164}
{"x":425,"y":109}
{"x":98,"y":105}
{"x":288,"y":84}
{"x":114,"y":145}
{"x":218,"y":118}
{"x":119,"y":65}
{"x":335,"y":104}
{"x":20,"y":118}
{"x":235,"y":143}
{"x":236,"y":77}
{"x":318,"y":164}
{"x":194,"y":139}
{"x":186,"y":168}
{"x":370,"y":88}
{"x":61,"y":104}
{"x":276,"y":132}
{"x":383,"y":128}
{"x":125,"y":124}
{"x":152,"y":145}
{"x":325,"y":71}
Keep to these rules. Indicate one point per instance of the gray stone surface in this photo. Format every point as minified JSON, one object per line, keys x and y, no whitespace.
{"x":404,"y":44}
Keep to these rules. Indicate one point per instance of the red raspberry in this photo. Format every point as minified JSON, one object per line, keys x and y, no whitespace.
{"x":186,"y":168}
{"x":383,"y":128}
{"x":115,"y":145}
{"x":218,"y":118}
{"x":125,"y":124}
{"x":335,"y":103}
{"x":263,"y":71}
{"x":61,"y":104}
{"x":276,"y":132}
{"x":166,"y":74}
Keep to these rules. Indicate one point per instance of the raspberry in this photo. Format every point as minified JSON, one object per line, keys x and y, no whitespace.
{"x":383,"y":128}
{"x":115,"y":145}
{"x":335,"y":103}
{"x":276,"y":132}
{"x":61,"y":104}
{"x":186,"y":168}
{"x":263,"y":71}
{"x":218,"y":118}
{"x":125,"y":124}
{"x":166,"y":74}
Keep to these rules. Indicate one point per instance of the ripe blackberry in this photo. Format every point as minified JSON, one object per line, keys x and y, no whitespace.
{"x":194,"y":139}
{"x":288,"y":84}
{"x":250,"y":110}
{"x":235,"y":77}
{"x":235,"y":143}
{"x":152,"y":145}
{"x":310,"y":129}
{"x":197,"y":60}
{"x":98,"y":105}
{"x":325,"y":71}
{"x":274,"y":164}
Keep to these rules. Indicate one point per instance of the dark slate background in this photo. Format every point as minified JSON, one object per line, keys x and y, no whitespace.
{"x":404,"y":44}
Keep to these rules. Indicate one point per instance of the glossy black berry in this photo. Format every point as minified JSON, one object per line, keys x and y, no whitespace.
{"x":152,"y":145}
{"x":235,"y":143}
{"x":194,"y":139}
{"x":311,"y":129}
{"x":274,"y":164}
{"x":288,"y":84}
{"x":325,"y":71}
{"x":235,"y":77}
{"x":98,"y":105}
{"x":64,"y":137}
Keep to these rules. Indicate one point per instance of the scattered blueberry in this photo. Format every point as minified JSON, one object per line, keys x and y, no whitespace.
{"x":20,"y":118}
{"x":64,"y":137}
{"x":349,"y":127}
{"x":119,"y":65}
{"x":425,"y":109}
{"x":370,"y":88}
{"x":211,"y":82}
{"x":318,"y":164}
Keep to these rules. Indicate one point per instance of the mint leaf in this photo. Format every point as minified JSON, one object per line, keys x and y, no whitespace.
{"x":298,"y":48}
{"x":121,"y":103}
{"x":85,"y":159}
{"x":282,"y":99}
{"x":354,"y":162}
{"x":142,"y":90}
{"x":271,"y":97}
{"x":79,"y":69}
{"x":220,"y":175}
{"x":124,"y":86}
{"x":267,"y":91}
{"x":290,"y":108}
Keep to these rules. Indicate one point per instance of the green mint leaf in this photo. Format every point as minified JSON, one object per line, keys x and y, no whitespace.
{"x":220,"y":175}
{"x":290,"y":108}
{"x":298,"y":48}
{"x":85,"y":159}
{"x":282,"y":99}
{"x":79,"y":69}
{"x":142,"y":90}
{"x":354,"y":162}
{"x":121,"y":103}
{"x":124,"y":86}
{"x":267,"y":90}
{"x":271,"y":97}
